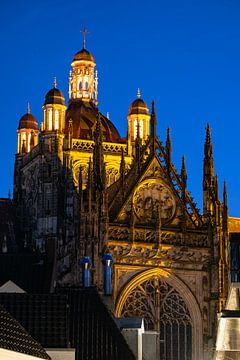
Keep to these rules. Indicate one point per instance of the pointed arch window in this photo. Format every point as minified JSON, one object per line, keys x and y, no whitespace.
{"x":172,"y":317}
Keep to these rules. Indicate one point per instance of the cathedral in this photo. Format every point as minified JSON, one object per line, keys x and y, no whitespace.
{"x":114,"y":213}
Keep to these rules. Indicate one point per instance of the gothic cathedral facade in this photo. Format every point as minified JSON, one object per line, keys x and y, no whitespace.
{"x":91,"y":199}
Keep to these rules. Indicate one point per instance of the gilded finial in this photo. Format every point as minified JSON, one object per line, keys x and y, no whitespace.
{"x":138,"y":93}
{"x":28,"y":108}
{"x":84,"y":32}
{"x":55,"y":82}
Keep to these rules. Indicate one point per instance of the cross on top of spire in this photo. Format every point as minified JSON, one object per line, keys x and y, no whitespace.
{"x":84,"y":31}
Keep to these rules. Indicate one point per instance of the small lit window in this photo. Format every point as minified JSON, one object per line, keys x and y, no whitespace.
{"x":50,"y":119}
{"x":56,"y":119}
{"x":135,"y":128}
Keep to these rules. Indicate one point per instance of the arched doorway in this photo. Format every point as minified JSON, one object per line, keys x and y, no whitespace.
{"x":168,"y":306}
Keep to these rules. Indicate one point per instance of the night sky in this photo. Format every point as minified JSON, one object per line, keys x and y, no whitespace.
{"x":183,"y":54}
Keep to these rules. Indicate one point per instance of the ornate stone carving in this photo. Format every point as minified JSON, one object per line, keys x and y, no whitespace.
{"x":150,"y":195}
{"x":139,"y":254}
{"x":149,"y":236}
{"x":88,"y":145}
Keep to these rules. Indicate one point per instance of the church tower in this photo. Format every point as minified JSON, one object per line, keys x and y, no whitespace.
{"x":54,"y":110}
{"x":138,"y":119}
{"x":27,"y":133}
{"x":83,"y":80}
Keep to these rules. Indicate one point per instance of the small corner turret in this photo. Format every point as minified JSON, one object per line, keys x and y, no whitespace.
{"x":54,"y":110}
{"x":138,"y":120}
{"x":27,"y":133}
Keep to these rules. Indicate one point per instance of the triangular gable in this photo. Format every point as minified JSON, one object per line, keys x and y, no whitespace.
{"x":167,"y":189}
{"x":11,"y":287}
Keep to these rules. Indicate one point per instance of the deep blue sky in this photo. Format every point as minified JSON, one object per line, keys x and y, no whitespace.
{"x":183,"y":54}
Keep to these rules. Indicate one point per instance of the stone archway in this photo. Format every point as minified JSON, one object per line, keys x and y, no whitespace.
{"x":168,"y":305}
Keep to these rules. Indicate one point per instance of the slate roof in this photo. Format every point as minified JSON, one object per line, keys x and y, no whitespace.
{"x":15,"y":338}
{"x":93,"y":331}
{"x":44,"y":316}
{"x":73,"y":317}
{"x":28,"y":271}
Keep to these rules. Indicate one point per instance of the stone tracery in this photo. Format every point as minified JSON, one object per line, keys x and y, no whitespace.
{"x":173,"y":318}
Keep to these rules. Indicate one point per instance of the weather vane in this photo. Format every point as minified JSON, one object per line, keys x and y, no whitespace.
{"x":84,"y":31}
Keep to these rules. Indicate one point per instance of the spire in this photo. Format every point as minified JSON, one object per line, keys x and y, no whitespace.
{"x":80,"y":188}
{"x":209,"y":181}
{"x":225,"y":208}
{"x":216,"y":187}
{"x":208,"y":145}
{"x":184,"y":171}
{"x":138,"y":93}
{"x":225,"y":201}
{"x":104,"y":177}
{"x":89,"y":184}
{"x":168,"y":147}
{"x":54,"y":82}
{"x":122,"y":171}
{"x":89,"y":179}
{"x":70,"y":133}
{"x":138,"y":149}
{"x":153,"y":124}
{"x":98,"y":159}
{"x":28,"y":108}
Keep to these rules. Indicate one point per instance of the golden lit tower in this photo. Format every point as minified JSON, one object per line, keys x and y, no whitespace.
{"x":27,"y":133}
{"x":138,"y":119}
{"x":83,"y":80}
{"x":54,"y":110}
